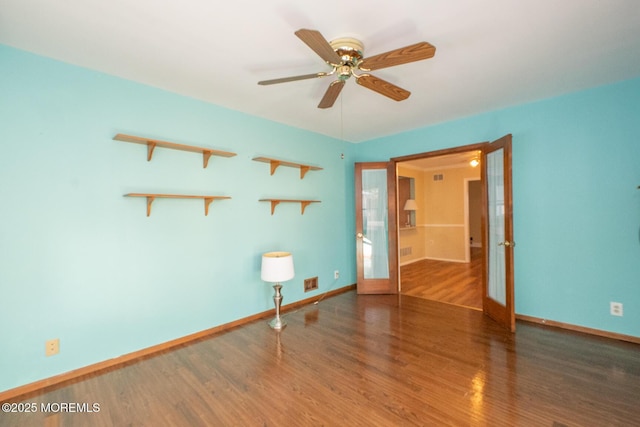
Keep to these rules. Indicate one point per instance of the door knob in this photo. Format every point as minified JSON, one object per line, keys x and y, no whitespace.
{"x":507,"y":243}
{"x":359,"y":235}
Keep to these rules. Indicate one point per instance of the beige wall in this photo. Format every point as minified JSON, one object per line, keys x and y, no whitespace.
{"x":440,"y":219}
{"x":413,"y":238}
{"x":475,"y":212}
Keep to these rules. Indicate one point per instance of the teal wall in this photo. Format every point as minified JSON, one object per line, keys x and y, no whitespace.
{"x":80,"y":262}
{"x":576,"y":172}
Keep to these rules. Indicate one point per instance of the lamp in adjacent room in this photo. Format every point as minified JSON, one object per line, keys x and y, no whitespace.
{"x":277,"y":267}
{"x":410,"y":205}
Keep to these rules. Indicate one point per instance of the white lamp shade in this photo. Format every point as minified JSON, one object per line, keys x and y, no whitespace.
{"x":410,"y":205}
{"x":277,"y":267}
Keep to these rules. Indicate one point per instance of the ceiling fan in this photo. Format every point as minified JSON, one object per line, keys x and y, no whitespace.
{"x":345,"y":56}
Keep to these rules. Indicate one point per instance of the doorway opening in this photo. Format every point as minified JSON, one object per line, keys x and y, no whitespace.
{"x":440,"y":241}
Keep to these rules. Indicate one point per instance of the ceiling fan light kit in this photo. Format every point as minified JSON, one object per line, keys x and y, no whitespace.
{"x":346,"y":56}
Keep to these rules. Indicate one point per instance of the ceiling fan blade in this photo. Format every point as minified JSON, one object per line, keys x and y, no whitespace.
{"x":332,"y":93}
{"x":404,"y":55}
{"x":319,"y":45}
{"x":383,"y":87}
{"x":291,"y":79}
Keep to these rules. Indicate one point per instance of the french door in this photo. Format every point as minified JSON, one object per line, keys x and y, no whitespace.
{"x":376,"y":235}
{"x":498,"y":243}
{"x":376,"y":227}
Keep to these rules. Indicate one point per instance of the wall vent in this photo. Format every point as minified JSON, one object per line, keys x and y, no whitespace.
{"x":311,"y":284}
{"x":405,"y":251}
{"x":438,"y":177}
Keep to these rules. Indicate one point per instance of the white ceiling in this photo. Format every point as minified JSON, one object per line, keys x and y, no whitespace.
{"x":490,"y":54}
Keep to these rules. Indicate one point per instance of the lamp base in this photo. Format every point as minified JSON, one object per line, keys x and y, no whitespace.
{"x":277,"y":324}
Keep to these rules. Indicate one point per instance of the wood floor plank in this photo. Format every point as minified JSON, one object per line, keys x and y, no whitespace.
{"x":374,"y":360}
{"x":445,"y":281}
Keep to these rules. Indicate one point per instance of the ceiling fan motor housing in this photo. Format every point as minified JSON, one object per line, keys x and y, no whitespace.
{"x":350,"y":50}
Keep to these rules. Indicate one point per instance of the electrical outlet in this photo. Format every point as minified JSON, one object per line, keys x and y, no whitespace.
{"x":336,"y":274}
{"x":615,"y":308}
{"x":52,"y":347}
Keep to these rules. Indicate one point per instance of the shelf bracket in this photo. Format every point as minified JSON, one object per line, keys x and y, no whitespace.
{"x":274,"y":203}
{"x":150,"y":200}
{"x":207,"y":202}
{"x":206,"y":155}
{"x":303,"y":170}
{"x":274,"y":165}
{"x":303,"y":205}
{"x":150,"y":147}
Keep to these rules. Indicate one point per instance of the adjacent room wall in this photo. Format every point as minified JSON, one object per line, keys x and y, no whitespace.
{"x":82,"y":263}
{"x":413,"y":237}
{"x":440,"y":230}
{"x":576,"y":199}
{"x":474,"y":188}
{"x":444,"y":202}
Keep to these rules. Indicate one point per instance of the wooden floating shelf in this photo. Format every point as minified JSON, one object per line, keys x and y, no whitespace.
{"x":275,"y":163}
{"x":152,"y":197}
{"x":303,"y":203}
{"x":153,"y":143}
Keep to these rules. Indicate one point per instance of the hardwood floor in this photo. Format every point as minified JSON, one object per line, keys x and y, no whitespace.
{"x":451,"y":282}
{"x":364,"y":361}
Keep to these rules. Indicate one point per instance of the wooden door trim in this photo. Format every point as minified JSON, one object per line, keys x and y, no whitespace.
{"x":379,"y":286}
{"x":505,"y":316}
{"x":392,"y":200}
{"x":443,"y":152}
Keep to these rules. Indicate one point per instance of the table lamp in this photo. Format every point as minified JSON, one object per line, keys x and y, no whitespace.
{"x":277,"y":267}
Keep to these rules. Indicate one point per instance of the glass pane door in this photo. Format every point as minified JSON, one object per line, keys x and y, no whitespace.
{"x":375,"y":224}
{"x":498,"y":299}
{"x":496,"y":212}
